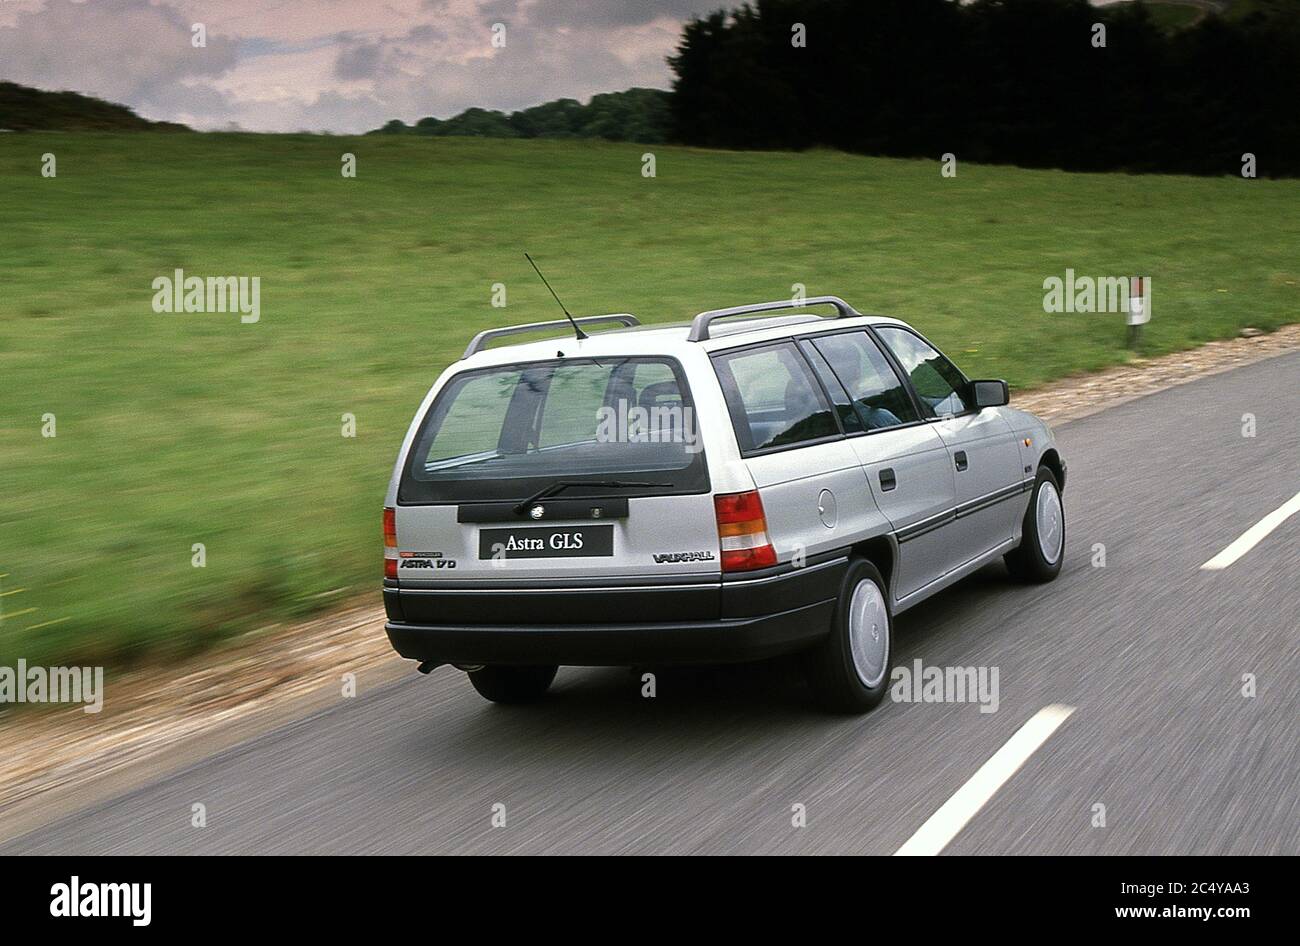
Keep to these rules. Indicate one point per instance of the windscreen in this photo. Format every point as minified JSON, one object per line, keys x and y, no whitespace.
{"x":507,"y":432}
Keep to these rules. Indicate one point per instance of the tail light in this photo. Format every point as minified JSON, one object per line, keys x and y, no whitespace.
{"x":742,"y":532}
{"x":390,"y":542}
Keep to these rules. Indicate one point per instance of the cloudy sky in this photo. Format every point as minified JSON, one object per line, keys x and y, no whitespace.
{"x":341,"y":65}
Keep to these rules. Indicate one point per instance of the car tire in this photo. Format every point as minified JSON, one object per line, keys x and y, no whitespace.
{"x":504,"y":684}
{"x":1042,"y":536}
{"x":849,"y":671}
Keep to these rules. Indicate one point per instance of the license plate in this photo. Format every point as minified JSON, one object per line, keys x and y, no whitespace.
{"x":547,"y":542}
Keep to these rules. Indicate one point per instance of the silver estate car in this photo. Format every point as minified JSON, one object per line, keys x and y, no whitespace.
{"x":746,"y":485}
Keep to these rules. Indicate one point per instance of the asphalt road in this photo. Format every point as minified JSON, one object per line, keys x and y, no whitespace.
{"x":1150,"y":650}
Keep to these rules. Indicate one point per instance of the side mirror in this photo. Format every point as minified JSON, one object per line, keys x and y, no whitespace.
{"x":989,"y":394}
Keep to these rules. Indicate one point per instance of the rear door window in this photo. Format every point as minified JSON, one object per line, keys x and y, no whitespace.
{"x":773,"y":398}
{"x":878,"y":394}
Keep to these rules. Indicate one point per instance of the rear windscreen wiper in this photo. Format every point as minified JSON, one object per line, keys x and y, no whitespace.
{"x":561,"y":485}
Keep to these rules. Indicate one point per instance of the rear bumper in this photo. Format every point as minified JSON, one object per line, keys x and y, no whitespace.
{"x":595,"y":645}
{"x":724,"y":621}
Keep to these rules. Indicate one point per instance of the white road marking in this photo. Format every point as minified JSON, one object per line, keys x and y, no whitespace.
{"x":956,"y":812}
{"x":1254,"y":535}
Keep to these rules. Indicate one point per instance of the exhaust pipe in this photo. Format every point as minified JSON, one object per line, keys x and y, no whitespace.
{"x":429,"y":665}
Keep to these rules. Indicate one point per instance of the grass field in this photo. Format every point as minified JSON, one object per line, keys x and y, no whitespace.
{"x":1175,"y":15}
{"x":176,"y":429}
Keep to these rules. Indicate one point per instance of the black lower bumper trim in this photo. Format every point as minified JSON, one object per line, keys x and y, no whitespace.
{"x":728,"y":640}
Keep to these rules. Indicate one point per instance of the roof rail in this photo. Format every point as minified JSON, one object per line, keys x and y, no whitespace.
{"x":479,"y":341}
{"x":700,"y":324}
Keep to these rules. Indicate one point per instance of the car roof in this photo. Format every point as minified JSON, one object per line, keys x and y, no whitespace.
{"x":668,"y":338}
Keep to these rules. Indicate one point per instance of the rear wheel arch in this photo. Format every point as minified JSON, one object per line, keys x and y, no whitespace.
{"x":860,"y":642}
{"x":880,"y":552}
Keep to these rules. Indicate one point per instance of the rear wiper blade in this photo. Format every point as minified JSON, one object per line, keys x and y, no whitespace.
{"x":561,"y":485}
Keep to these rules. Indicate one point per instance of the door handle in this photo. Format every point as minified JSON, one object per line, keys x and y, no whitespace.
{"x":887,"y":479}
{"x":960,"y":457}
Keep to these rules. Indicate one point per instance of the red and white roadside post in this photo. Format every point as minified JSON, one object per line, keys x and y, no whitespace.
{"x":1138,"y":312}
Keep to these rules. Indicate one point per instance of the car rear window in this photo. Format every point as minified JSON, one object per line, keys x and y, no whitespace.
{"x":507,"y":432}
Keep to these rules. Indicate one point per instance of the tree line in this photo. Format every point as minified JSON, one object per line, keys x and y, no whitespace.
{"x":23,"y":108}
{"x":1036,"y":83}
{"x":634,"y":115}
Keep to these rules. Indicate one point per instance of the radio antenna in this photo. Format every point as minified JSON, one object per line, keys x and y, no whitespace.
{"x":577,"y":330}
